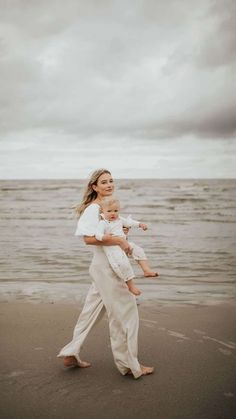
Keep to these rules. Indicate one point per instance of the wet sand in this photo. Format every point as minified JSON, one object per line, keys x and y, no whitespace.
{"x":192,"y":348}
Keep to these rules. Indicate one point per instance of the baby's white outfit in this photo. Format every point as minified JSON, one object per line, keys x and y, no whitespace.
{"x":115,"y":255}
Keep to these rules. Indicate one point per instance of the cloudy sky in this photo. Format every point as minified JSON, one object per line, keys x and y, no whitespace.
{"x":146,"y":88}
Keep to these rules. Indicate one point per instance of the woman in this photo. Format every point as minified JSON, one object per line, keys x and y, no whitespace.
{"x":107,"y":292}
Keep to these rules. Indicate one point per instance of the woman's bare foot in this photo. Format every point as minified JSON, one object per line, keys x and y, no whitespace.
{"x":150,"y":273}
{"x":147,"y":370}
{"x":71,"y":361}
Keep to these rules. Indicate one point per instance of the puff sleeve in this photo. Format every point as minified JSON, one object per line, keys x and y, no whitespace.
{"x":88,"y":222}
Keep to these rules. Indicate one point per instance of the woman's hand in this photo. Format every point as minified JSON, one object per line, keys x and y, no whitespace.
{"x":125,"y":246}
{"x":109,"y":240}
{"x":126,"y":230}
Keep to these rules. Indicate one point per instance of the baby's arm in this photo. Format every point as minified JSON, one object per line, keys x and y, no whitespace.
{"x":129,"y":222}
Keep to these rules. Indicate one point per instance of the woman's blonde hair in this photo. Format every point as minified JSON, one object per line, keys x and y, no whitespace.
{"x":90,"y":194}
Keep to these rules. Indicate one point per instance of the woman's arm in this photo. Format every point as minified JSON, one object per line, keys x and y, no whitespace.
{"x":109,"y":240}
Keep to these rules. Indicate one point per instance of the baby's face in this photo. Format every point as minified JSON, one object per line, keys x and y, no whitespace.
{"x":111,"y":212}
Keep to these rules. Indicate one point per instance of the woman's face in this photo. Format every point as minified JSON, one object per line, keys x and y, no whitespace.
{"x":105,"y":186}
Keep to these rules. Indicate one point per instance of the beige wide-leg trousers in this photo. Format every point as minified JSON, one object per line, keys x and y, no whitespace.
{"x":109,"y":293}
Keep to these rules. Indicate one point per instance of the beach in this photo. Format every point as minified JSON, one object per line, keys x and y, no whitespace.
{"x":191,"y":347}
{"x":187,"y":315}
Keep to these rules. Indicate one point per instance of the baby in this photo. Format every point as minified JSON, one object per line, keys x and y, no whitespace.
{"x":113,"y":223}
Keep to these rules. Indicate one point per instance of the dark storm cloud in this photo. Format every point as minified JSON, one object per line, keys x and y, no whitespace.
{"x":220,"y":43}
{"x":219,"y":123}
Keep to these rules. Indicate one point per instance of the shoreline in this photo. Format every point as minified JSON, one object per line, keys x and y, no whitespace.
{"x":153,"y":292}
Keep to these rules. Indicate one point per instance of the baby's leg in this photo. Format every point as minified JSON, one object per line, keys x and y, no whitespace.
{"x":146,"y":268}
{"x":121,"y":266}
{"x":139,"y":255}
{"x":132,"y":287}
{"x":119,"y":262}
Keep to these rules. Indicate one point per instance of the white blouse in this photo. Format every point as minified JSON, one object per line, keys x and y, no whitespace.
{"x":88,"y":222}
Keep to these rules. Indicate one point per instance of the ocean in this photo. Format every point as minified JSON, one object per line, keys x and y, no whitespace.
{"x":191,"y":240}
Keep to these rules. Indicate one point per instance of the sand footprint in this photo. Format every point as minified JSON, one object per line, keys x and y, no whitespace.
{"x":225,"y":351}
{"x":199,"y":332}
{"x":229,"y":394}
{"x":228,"y":345}
{"x":177,"y":335}
{"x":149,"y":321}
{"x":15,"y":374}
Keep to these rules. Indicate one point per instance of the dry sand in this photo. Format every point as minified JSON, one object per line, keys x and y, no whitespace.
{"x":191,"y":347}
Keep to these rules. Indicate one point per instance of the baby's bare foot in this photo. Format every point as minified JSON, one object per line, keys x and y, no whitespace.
{"x":71,"y":361}
{"x":151,"y":273}
{"x":135,"y":290}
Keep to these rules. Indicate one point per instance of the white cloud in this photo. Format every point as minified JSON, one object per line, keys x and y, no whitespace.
{"x":147,"y":69}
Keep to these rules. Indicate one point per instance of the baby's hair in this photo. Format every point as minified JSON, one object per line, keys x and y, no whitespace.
{"x":105,"y":202}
